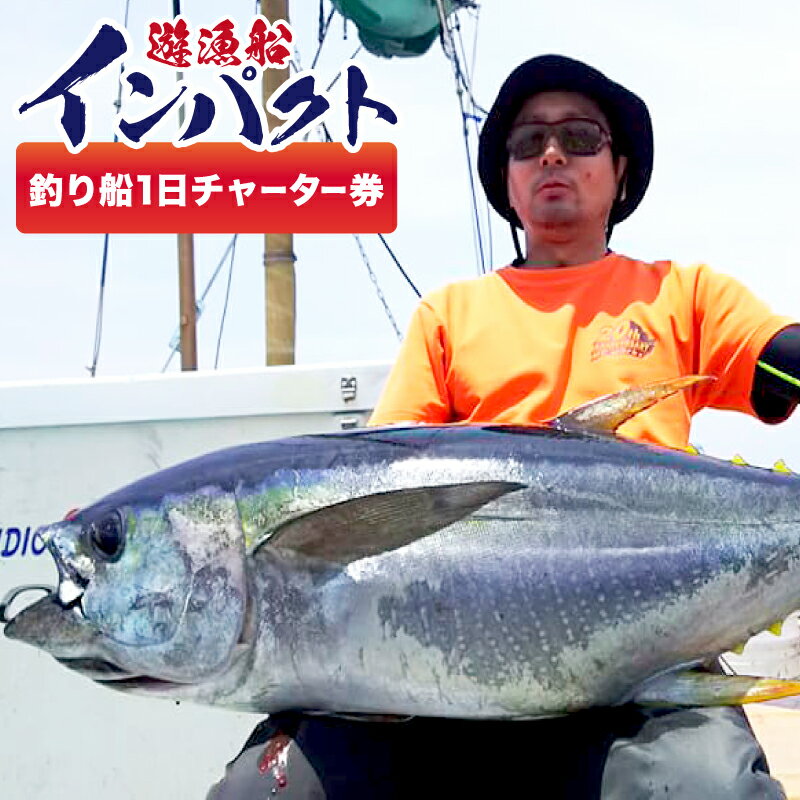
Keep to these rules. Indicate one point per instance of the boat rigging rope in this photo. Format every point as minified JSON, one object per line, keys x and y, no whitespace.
{"x":464,"y":76}
{"x":175,"y":342}
{"x":397,"y":264}
{"x":476,"y":117}
{"x":297,"y":67}
{"x":372,"y":276}
{"x":462,"y":86}
{"x":323,"y":30}
{"x":227,"y":297}
{"x":374,"y":280}
{"x":98,"y":325}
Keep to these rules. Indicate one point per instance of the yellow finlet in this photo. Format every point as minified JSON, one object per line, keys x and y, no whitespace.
{"x":690,"y":448}
{"x":780,"y":466}
{"x":737,"y":459}
{"x":776,"y":629}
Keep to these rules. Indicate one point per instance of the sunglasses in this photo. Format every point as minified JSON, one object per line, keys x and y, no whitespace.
{"x":575,"y":137}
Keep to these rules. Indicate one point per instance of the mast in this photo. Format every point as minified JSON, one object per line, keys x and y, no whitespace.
{"x":278,"y":247}
{"x":187,"y":301}
{"x":186,"y":289}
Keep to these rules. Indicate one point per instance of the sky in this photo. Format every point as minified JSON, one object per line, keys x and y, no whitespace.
{"x":721,"y":80}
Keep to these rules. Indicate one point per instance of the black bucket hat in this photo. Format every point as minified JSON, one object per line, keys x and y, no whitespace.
{"x":628,"y":117}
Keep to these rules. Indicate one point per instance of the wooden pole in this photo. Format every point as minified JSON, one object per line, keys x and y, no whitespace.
{"x":186,"y":290}
{"x":278,"y":247}
{"x":188,"y":305}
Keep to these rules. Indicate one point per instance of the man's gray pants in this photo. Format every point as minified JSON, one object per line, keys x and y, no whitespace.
{"x":623,"y":753}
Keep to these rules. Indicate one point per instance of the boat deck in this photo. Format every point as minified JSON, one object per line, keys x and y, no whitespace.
{"x":778,"y":731}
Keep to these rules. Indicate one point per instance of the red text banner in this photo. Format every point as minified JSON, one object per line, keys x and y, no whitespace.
{"x":308,"y":187}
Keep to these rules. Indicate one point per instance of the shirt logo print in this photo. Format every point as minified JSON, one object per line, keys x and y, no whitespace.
{"x":626,"y":338}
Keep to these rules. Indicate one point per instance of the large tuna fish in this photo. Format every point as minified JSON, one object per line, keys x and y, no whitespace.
{"x":490,"y":571}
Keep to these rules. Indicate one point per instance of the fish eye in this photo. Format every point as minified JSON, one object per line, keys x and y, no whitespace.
{"x":107,"y":537}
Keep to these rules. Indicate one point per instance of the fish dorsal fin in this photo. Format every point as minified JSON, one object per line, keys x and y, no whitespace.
{"x":606,"y":414}
{"x":365,"y":526}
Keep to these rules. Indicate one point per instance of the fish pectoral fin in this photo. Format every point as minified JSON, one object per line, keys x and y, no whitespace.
{"x":606,"y":414}
{"x":366,"y":526}
{"x":691,"y":688}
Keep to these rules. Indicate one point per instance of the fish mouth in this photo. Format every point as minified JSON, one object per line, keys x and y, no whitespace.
{"x":97,"y":669}
{"x":108,"y":673}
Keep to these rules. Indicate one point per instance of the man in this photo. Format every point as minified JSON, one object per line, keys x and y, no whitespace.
{"x":565,"y":154}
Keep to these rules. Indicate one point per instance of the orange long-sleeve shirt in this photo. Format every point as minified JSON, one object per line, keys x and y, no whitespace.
{"x":523,"y":345}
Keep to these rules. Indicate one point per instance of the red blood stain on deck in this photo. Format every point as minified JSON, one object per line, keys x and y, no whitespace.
{"x":273,"y":757}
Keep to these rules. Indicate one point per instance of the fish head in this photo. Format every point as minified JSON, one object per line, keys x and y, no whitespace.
{"x":151,"y":592}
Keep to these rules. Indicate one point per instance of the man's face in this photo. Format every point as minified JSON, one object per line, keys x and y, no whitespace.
{"x":556,"y":189}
